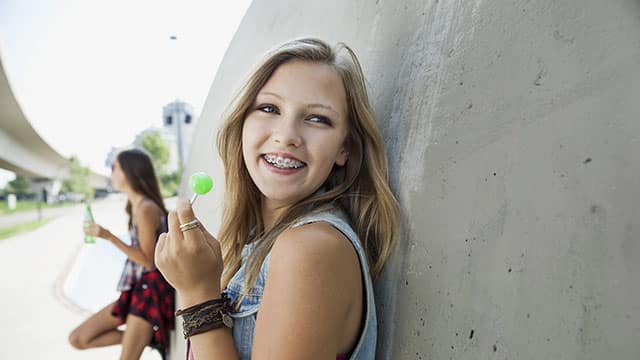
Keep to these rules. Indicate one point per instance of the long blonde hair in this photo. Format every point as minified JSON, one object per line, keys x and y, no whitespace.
{"x":360,"y":188}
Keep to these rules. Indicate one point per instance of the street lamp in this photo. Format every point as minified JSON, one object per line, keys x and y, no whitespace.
{"x":177,"y":111}
{"x":177,"y":117}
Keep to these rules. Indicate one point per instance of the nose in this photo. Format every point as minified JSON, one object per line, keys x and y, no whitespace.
{"x":286,"y":132}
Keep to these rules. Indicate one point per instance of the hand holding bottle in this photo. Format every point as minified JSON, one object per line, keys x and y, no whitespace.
{"x":94,"y":230}
{"x":91,"y":229}
{"x":88,"y":220}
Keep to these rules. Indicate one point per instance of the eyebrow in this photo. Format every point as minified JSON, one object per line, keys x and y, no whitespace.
{"x":317,"y":105}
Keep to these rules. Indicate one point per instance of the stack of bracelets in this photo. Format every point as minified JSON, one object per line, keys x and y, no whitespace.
{"x":209,"y":315}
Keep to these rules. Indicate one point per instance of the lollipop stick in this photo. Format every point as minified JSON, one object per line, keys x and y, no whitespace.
{"x":193,"y":198}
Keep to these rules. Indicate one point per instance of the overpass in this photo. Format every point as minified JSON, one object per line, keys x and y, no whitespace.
{"x":24,"y":152}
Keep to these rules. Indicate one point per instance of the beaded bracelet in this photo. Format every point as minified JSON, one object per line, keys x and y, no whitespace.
{"x":209,"y":315}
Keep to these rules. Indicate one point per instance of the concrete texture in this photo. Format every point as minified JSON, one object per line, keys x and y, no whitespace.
{"x":512,"y":129}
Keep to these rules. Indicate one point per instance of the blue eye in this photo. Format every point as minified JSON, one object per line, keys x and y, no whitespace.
{"x":269,"y":109}
{"x":319,"y":119}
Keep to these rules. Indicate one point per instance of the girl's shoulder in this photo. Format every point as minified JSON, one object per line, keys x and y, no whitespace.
{"x":148,"y":205}
{"x":333,"y":215}
{"x":147,"y":209}
{"x":335,"y":218}
{"x":315,"y":238}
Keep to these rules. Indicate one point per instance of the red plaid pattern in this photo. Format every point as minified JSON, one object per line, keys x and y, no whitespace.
{"x":153,"y":299}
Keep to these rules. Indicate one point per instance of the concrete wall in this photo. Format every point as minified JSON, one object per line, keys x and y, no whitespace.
{"x":512,"y":129}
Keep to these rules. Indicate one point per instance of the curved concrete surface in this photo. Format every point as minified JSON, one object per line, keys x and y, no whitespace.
{"x":513,"y":133}
{"x":22,"y":150}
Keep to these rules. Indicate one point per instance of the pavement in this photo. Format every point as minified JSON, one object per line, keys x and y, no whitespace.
{"x":37,"y":314}
{"x":20,"y":217}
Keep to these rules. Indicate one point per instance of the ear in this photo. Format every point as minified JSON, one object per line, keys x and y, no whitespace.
{"x":342,"y":157}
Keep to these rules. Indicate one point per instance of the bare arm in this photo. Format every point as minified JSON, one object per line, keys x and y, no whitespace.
{"x":307,"y":296}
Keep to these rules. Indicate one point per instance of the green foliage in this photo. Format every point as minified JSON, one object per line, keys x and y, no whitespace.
{"x":21,"y":186}
{"x":169,"y":183}
{"x":155,"y":146}
{"x":21,"y":228}
{"x":79,"y":180}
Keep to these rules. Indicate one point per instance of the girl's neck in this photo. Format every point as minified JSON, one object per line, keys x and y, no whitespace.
{"x":134,"y":198}
{"x":270,"y":214}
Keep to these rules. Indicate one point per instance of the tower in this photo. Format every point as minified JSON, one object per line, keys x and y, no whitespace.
{"x":178,"y":118}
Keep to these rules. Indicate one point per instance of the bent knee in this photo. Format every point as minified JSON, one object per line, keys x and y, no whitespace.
{"x":76,"y":340}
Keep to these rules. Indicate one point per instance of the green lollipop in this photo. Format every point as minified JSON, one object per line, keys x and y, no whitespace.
{"x":200,"y":183}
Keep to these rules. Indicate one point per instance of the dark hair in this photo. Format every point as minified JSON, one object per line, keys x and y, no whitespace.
{"x":138,"y":169}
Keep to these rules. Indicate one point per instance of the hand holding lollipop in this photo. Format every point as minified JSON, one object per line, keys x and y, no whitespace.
{"x":200,"y":183}
{"x":189,"y":259}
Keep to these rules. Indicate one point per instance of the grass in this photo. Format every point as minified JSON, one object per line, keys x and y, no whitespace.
{"x":14,"y":230}
{"x":29,"y":205}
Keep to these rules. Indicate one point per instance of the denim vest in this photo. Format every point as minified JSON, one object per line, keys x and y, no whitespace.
{"x":245,"y":316}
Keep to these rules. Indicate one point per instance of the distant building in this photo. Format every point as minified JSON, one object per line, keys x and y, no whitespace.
{"x":178,"y":122}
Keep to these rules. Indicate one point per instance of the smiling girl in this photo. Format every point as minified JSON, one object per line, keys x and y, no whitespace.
{"x":309,"y":219}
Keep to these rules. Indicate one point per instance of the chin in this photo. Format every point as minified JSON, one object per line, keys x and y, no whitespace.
{"x":116,"y":187}
{"x":281,"y":198}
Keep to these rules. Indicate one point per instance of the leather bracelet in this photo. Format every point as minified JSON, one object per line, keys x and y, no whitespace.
{"x":206,"y":316}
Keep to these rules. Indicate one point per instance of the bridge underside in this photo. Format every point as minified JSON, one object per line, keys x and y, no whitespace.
{"x":23,"y":151}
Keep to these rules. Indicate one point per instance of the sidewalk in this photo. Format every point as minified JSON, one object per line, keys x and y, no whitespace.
{"x":20,"y":217}
{"x":36,"y":320}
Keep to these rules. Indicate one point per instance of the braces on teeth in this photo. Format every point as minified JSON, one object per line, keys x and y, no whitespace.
{"x":283,"y":162}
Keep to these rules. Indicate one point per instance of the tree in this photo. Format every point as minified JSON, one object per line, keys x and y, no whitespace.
{"x":158,"y":150}
{"x":169,"y":183}
{"x":153,"y":143}
{"x":21,"y":186}
{"x":79,"y":179}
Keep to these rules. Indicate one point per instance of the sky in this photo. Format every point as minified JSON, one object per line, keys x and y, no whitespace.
{"x":89,"y":75}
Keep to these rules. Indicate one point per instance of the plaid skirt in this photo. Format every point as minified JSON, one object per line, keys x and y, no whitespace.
{"x":153,"y":299}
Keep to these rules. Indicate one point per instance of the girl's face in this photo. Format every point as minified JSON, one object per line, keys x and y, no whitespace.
{"x":118,"y":178}
{"x":295,"y":132}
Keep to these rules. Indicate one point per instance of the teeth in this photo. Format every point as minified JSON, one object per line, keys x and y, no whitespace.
{"x":284,"y":163}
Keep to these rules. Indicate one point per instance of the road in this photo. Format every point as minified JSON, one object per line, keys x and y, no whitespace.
{"x":36,"y":318}
{"x":7,"y":220}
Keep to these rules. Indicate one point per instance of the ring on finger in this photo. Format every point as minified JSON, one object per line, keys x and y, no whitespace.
{"x":189,"y":225}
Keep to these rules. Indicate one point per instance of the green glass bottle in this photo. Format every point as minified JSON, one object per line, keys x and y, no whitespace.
{"x":88,"y":218}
